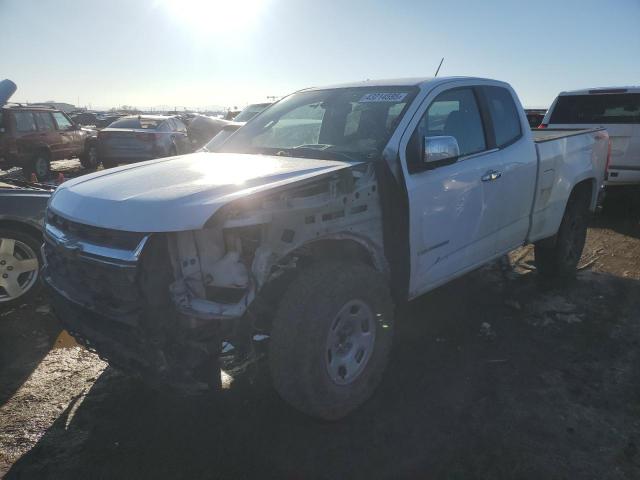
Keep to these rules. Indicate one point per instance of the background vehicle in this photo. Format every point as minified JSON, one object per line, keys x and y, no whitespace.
{"x":535,"y":116}
{"x":617,"y":109}
{"x":22,"y":207}
{"x":250,"y":111}
{"x":226,"y":131}
{"x":32,"y":137}
{"x":203,"y":128}
{"x":142,"y":137}
{"x":311,"y":222}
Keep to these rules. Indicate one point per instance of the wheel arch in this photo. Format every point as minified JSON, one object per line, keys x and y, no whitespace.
{"x":26,"y":228}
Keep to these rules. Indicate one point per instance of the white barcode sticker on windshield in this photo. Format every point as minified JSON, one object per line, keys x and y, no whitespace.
{"x":383,"y":97}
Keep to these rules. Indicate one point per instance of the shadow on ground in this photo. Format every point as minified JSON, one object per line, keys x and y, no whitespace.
{"x":496,"y":375}
{"x":25,"y":338}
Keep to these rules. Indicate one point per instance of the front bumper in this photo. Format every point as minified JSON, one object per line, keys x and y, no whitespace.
{"x":114,"y":341}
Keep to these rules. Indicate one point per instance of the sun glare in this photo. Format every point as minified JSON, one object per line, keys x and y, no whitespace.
{"x":208,"y":17}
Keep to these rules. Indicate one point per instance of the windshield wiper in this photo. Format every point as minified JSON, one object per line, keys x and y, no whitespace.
{"x":321,"y":152}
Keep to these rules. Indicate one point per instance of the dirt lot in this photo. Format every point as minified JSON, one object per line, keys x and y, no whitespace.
{"x":498,"y":376}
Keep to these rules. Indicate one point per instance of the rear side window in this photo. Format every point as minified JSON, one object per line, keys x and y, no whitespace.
{"x":45,"y":122}
{"x":62,"y":121}
{"x":25,"y":122}
{"x":598,"y":109}
{"x":504,"y":114}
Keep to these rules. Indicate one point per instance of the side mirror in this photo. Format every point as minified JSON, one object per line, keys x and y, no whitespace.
{"x":439,"y":151}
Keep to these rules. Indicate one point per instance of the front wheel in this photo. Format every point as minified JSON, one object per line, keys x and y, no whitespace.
{"x":39,"y":165}
{"x":561,"y":259}
{"x":331,"y":339}
{"x":19,"y":266}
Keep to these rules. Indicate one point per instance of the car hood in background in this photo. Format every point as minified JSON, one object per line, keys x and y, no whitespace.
{"x":177,"y":193}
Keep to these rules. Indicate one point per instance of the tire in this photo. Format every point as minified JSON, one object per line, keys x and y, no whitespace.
{"x":16,"y":249}
{"x":89,"y":158}
{"x":561,"y":259}
{"x":109,"y":163}
{"x":39,"y":164}
{"x":304,"y":358}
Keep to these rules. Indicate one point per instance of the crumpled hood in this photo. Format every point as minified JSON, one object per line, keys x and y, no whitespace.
{"x":177,"y":193}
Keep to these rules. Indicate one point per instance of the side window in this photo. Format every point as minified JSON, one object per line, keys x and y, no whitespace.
{"x":504,"y":115}
{"x":453,"y":113}
{"x":45,"y":122}
{"x":180,"y":127}
{"x":62,"y":121}
{"x":25,"y":122}
{"x":164,"y":126}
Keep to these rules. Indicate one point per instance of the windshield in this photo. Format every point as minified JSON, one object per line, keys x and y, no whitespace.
{"x":346,"y":123}
{"x":250,"y":112}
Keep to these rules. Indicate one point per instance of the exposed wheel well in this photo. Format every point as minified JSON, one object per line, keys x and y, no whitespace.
{"x":588,"y":188}
{"x":326,"y":250}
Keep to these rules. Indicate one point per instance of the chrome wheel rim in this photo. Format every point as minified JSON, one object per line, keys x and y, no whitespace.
{"x":18,"y":268}
{"x":350,"y":342}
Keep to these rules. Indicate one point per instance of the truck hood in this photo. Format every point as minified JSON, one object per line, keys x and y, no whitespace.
{"x":177,"y":193}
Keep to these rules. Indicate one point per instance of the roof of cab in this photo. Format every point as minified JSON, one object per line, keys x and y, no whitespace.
{"x":602,"y":90}
{"x":398,"y":82}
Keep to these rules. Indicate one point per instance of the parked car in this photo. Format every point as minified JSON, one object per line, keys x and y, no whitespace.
{"x":535,"y":116}
{"x":22,"y":208}
{"x":203,"y":128}
{"x":142,"y":137}
{"x":243,"y":117}
{"x":32,"y":137}
{"x":250,"y":111}
{"x":616,"y":109}
{"x":309,"y":225}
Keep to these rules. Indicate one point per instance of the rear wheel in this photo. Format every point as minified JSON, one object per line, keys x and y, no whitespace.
{"x":89,"y":158}
{"x":39,"y":165}
{"x":109,"y":163}
{"x":331,"y":339}
{"x":19,"y":266}
{"x":561,"y":259}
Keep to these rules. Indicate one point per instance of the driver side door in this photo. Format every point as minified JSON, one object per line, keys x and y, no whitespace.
{"x":454,"y":206}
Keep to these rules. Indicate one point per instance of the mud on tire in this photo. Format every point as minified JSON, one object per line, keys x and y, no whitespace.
{"x":561,"y":259}
{"x":307,"y":318}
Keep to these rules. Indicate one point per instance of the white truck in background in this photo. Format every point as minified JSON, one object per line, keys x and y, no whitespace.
{"x":618,"y":110}
{"x":308,"y":225}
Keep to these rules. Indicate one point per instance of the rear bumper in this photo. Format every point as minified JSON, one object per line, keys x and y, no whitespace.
{"x":622,"y":176}
{"x":127,"y":157}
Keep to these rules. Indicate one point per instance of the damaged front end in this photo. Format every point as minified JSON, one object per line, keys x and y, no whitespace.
{"x":168,"y":305}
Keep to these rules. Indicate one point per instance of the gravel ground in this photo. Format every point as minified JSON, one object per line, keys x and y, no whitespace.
{"x":498,"y":375}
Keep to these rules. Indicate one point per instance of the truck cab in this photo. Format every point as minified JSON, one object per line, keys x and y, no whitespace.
{"x":309,"y":225}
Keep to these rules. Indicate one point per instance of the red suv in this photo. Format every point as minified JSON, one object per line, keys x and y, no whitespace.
{"x":31,"y":137}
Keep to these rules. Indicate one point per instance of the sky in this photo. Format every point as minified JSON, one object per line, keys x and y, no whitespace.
{"x":201,"y":53}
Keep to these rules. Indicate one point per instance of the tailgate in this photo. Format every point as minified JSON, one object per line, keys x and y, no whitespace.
{"x":625,"y":143}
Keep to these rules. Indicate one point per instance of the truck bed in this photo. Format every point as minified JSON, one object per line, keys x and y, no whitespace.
{"x":548,"y":134}
{"x":565,"y":157}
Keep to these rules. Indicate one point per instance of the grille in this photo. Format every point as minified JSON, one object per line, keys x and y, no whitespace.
{"x":99,"y":236}
{"x":105,"y":286}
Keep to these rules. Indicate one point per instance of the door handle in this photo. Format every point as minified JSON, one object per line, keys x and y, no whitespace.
{"x":491,"y":175}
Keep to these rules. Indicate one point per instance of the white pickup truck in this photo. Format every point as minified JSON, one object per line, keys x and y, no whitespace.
{"x":307,"y":226}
